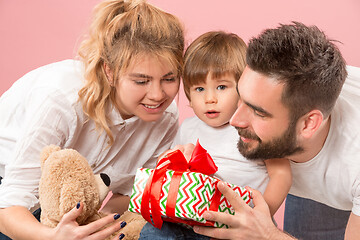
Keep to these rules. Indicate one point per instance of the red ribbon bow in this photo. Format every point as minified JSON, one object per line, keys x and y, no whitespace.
{"x":200,"y":161}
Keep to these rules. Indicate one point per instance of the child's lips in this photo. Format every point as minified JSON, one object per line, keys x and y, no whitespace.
{"x":212,"y":114}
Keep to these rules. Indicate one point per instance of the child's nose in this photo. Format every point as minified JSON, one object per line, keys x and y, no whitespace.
{"x":210,"y":97}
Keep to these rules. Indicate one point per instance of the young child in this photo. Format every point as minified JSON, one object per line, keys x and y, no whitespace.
{"x":213,"y":64}
{"x":115,"y":106}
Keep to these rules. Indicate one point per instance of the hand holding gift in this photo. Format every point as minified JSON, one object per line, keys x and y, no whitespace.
{"x":246,"y":223}
{"x":179,"y":191}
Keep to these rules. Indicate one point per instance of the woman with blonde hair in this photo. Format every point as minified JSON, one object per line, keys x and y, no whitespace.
{"x":114,"y":105}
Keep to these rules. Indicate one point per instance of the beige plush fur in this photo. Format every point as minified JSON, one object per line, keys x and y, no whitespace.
{"x":67,"y":179}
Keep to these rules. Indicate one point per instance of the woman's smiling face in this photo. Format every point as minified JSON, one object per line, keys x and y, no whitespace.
{"x":147,"y":88}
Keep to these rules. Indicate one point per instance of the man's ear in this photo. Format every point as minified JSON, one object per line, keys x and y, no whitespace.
{"x":109,"y":75}
{"x":310,"y":123}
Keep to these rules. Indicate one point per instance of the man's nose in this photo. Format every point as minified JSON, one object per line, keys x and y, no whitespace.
{"x":241,"y":116}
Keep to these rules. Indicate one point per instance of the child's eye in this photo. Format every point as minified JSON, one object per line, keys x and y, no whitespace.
{"x":221,"y":87}
{"x":199,"y":89}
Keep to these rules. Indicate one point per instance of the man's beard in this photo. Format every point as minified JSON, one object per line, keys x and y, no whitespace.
{"x":281,"y":147}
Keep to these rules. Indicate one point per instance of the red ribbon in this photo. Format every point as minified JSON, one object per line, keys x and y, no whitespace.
{"x":200,"y":161}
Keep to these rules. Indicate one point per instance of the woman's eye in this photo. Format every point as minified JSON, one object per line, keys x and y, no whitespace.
{"x":173,"y":79}
{"x":141,"y":82}
{"x":199,"y":89}
{"x":221,"y":87}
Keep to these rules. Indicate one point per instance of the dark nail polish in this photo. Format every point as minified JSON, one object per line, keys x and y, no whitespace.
{"x":116,"y":216}
{"x":121,"y":236}
{"x":122,"y":224}
{"x":78,"y":205}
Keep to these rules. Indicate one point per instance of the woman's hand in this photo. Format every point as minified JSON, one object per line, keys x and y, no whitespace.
{"x":69,"y":229}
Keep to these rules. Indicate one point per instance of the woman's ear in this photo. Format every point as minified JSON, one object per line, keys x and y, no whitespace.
{"x":109,"y":75}
{"x":310,"y":123}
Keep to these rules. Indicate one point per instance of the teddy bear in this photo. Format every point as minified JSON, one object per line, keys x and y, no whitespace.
{"x":66,"y":179}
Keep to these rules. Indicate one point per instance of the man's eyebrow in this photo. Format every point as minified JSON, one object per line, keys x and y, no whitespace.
{"x":256,"y":108}
{"x":259,"y":109}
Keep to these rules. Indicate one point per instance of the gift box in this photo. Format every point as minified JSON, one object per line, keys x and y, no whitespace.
{"x":178,"y":191}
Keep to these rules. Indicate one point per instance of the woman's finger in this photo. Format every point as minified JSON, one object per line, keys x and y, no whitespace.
{"x":72,"y":214}
{"x":108,"y":231}
{"x":101,"y":223}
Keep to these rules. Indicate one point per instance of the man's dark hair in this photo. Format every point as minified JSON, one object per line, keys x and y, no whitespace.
{"x":308,"y":63}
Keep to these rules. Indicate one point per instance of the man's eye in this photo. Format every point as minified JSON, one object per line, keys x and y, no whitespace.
{"x":259,"y":114}
{"x":221,"y":87}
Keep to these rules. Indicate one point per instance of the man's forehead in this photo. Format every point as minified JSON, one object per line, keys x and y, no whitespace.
{"x":255,"y":80}
{"x":259,"y":90}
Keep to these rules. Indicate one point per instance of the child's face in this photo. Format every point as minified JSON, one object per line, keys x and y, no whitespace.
{"x":215,"y":101}
{"x":147,"y":88}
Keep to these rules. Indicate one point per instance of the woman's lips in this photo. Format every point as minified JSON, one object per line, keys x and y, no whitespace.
{"x":153,"y":108}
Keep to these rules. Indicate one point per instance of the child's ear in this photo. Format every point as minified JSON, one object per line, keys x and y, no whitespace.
{"x":310,"y":123}
{"x":109,"y":75}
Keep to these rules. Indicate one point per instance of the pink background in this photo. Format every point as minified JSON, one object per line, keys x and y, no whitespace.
{"x":37,"y":32}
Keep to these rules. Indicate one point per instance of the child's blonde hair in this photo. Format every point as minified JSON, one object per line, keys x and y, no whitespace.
{"x":216,"y":52}
{"x":120,"y":32}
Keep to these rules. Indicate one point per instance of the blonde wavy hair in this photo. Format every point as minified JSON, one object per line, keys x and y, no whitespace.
{"x":120,"y":32}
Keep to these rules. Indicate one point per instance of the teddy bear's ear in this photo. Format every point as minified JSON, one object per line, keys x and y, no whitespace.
{"x":47,"y":151}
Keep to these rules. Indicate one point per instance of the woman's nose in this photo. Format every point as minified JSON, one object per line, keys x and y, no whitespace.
{"x":156,"y":92}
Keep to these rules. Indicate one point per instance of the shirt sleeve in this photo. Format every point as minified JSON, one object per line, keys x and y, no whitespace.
{"x":351,"y":86}
{"x":356,"y":196}
{"x":48,"y":120}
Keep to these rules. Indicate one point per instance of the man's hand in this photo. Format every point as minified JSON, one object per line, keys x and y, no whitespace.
{"x":246,"y":223}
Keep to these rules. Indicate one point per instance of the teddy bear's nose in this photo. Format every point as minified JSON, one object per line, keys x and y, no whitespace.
{"x":105,"y":179}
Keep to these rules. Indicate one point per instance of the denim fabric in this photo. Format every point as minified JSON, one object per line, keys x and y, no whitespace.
{"x":310,"y":220}
{"x":169,"y":231}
